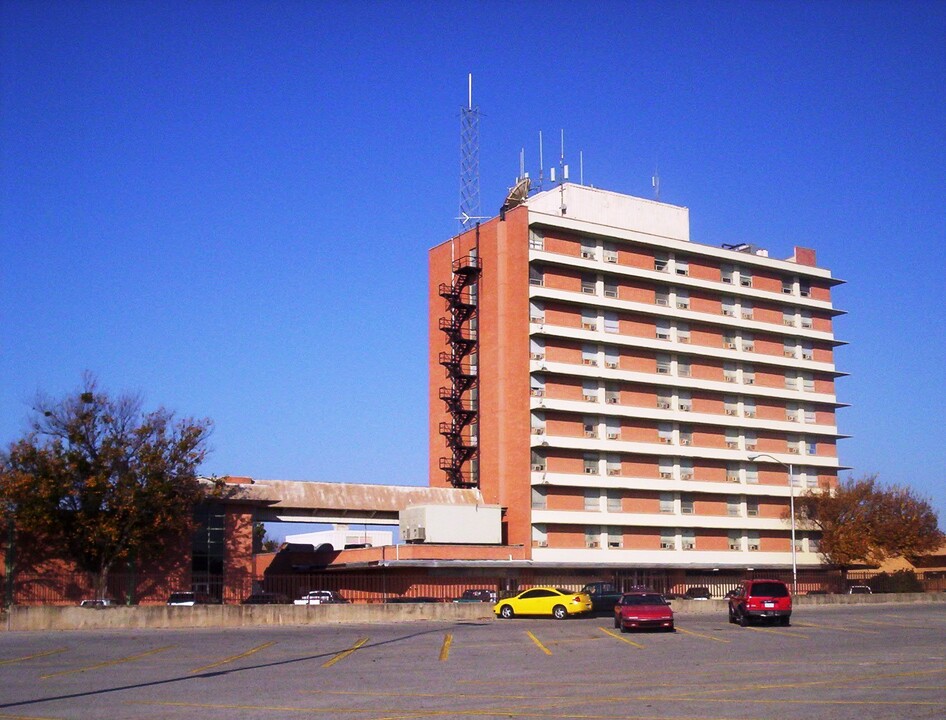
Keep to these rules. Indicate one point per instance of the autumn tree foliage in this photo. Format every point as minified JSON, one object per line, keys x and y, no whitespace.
{"x":864,"y":522}
{"x":98,"y":481}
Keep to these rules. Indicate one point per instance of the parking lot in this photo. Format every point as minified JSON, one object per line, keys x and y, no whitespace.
{"x":876,"y":661}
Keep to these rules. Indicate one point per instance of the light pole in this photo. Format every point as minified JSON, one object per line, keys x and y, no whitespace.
{"x":791,"y":495}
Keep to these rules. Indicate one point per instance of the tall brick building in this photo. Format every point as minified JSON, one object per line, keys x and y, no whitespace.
{"x":627,"y":395}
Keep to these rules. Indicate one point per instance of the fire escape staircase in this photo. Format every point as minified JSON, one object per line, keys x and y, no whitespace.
{"x":459,"y":433}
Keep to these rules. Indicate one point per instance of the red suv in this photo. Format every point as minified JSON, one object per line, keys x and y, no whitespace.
{"x":761,"y":599}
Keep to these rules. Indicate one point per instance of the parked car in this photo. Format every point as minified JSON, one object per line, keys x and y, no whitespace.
{"x":604,"y":596}
{"x":407,"y":599}
{"x":860,"y":590}
{"x":642,"y":610}
{"x":761,"y":599}
{"x":97,"y":603}
{"x":321,"y":597}
{"x":477,"y":595}
{"x":188,"y":599}
{"x":697,"y":593}
{"x":544,"y":601}
{"x":266,"y":598}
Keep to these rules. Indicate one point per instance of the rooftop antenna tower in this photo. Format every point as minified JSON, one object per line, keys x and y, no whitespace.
{"x":541,"y":169}
{"x":655,"y":182}
{"x":469,"y":162}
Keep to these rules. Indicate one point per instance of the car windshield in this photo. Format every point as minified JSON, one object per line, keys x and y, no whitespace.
{"x":643,"y":600}
{"x":564,"y":592}
{"x":765,"y":589}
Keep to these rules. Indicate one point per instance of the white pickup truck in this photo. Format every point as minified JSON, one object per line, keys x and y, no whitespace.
{"x":320,"y":597}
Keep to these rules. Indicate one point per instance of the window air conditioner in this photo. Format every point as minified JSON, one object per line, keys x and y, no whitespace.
{"x":684,"y":441}
{"x":591,"y":471}
{"x":612,"y":401}
{"x":666,"y":476}
{"x":537,"y":356}
{"x":613,"y":436}
{"x":538,"y":431}
{"x":686,"y":476}
{"x":614,"y":471}
{"x":538,"y":468}
{"x":611,"y":365}
{"x":663,"y":405}
{"x":610,"y":258}
{"x":729,"y":313}
{"x":793,"y":450}
{"x":754,"y":547}
{"x":593,"y":544}
{"x":688,"y":546}
{"x":730,"y":411}
{"x":666,"y":546}
{"x":589,"y":361}
{"x":662,"y":301}
{"x":587,"y":254}
{"x":734,"y":546}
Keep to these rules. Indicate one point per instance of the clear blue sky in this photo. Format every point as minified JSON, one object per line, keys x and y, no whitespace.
{"x":227,"y":206}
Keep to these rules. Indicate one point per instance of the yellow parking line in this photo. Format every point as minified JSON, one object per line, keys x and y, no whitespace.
{"x":108,"y":663}
{"x":777,"y":632}
{"x":836,"y":627}
{"x":234,"y":657}
{"x":25,"y":717}
{"x":345,"y":653}
{"x":536,"y":641}
{"x":445,"y":648}
{"x":30,"y":657}
{"x":696,"y":634}
{"x":621,"y":637}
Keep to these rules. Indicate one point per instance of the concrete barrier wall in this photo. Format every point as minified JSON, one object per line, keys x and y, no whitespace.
{"x":222,"y":616}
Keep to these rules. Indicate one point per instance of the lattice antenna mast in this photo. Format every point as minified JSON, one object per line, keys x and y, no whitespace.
{"x":469,"y":162}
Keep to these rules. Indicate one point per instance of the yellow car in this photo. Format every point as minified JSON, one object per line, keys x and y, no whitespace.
{"x":544,"y":601}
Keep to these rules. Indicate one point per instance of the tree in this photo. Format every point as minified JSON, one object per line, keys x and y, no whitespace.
{"x":261,"y":541}
{"x":98,"y":481}
{"x":863,"y":522}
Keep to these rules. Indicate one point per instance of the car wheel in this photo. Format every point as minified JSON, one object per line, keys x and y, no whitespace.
{"x":785,"y":621}
{"x":559,"y":612}
{"x":624,"y":628}
{"x":617,"y":623}
{"x":671,"y":629}
{"x":743,"y":619}
{"x":506,"y":612}
{"x":732,"y":615}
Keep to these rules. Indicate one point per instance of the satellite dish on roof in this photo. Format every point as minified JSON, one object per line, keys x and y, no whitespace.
{"x":518,"y":194}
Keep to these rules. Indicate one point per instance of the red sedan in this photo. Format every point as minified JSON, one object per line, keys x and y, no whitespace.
{"x":642,"y":610}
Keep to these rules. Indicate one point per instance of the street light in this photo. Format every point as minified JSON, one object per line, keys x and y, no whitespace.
{"x":791,"y":495}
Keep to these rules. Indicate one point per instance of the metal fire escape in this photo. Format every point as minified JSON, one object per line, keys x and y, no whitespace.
{"x":460,"y":397}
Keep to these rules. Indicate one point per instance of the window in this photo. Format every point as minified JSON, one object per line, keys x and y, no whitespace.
{"x":537,"y":349}
{"x":592,"y":500}
{"x":732,"y":438}
{"x":662,"y":329}
{"x":686,"y":435}
{"x":788,"y":318}
{"x":589,"y":284}
{"x":806,"y":319}
{"x":729,"y":340}
{"x":666,"y":502}
{"x":751,"y":441}
{"x":804,"y":288}
{"x":732,"y":472}
{"x":733,"y":506}
{"x":735,"y":541}
{"x":788,"y":286}
{"x":726,"y":274}
{"x":814,"y":544}
{"x":537,"y":386}
{"x":538,"y":498}
{"x":540,"y":537}
{"x":745,"y":277}
{"x":536,"y":241}
{"x":688,"y":540}
{"x":683,"y":367}
{"x":668,"y":540}
{"x":664,"y":397}
{"x":683,"y":299}
{"x":752,"y":541}
{"x":589,"y":319}
{"x":590,"y":462}
{"x":536,"y":276}
{"x":729,"y":372}
{"x":686,"y":469}
{"x":748,"y":375}
{"x":752,"y":508}
{"x":808,"y":382}
{"x":538,"y":462}
{"x":615,"y":537}
{"x":683,"y":333}
{"x":684,"y":402}
{"x":728,"y":306}
{"x":682,"y":267}
{"x":661,"y":261}
{"x":536,"y":313}
{"x":589,"y":355}
{"x":730,"y":406}
{"x":612,"y":394}
{"x":611,"y":323}
{"x":610,"y":289}
{"x":752,"y":474}
{"x":613,"y":465}
{"x":665,"y":468}
{"x":748,"y":342}
{"x":788,"y":348}
{"x":612,"y":356}
{"x":811,"y":477}
{"x":614,"y":500}
{"x":610,"y":253}
{"x":538,"y":424}
{"x":748,"y":407}
{"x":662,"y":296}
{"x":810,"y":416}
{"x":613,"y":429}
{"x":791,"y":381}
{"x":686,"y":504}
{"x":665,"y":433}
{"x":588,"y":248}
{"x":592,"y":537}
{"x":589,"y":391}
{"x":807,"y":351}
{"x":590,"y":427}
{"x":663,"y":364}
{"x":745,"y":309}
{"x":791,"y":412}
